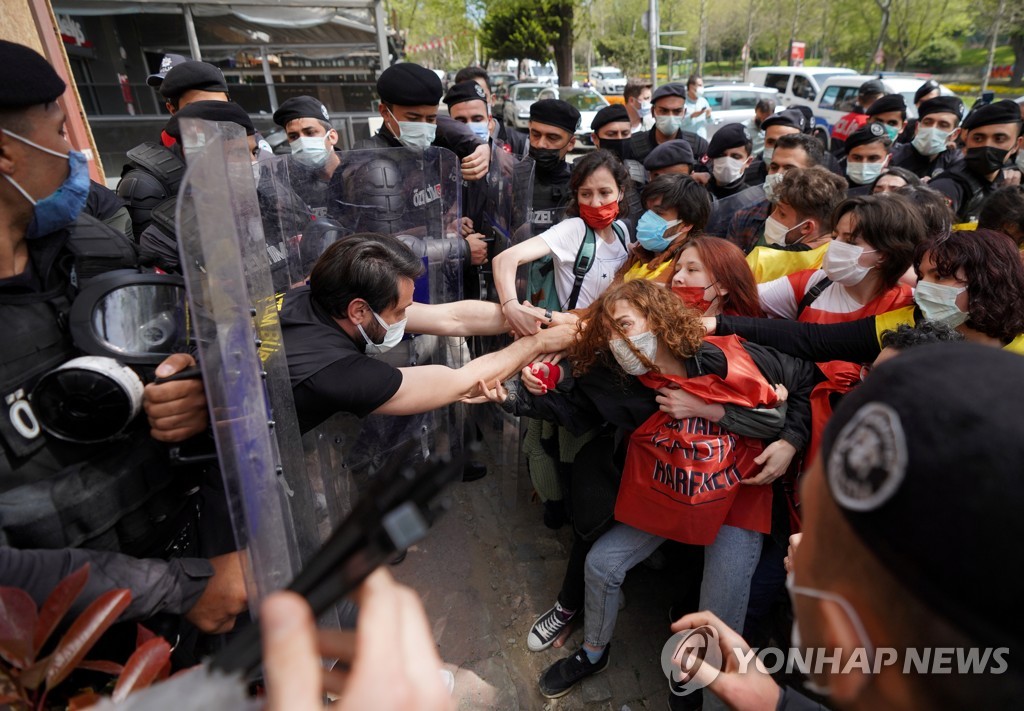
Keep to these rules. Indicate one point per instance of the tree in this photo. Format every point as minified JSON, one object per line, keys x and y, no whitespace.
{"x":628,"y":52}
{"x":517,"y":30}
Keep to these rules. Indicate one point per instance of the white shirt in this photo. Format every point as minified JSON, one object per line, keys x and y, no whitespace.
{"x":564,"y":240}
{"x":778,"y":297}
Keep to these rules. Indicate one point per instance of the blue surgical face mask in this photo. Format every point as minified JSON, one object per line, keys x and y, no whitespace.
{"x":310,"y":150}
{"x":650,"y":231}
{"x":668,"y":125}
{"x":645,"y":109}
{"x":415,"y":134}
{"x":930,"y":141}
{"x":482,"y":129}
{"x":63,"y":206}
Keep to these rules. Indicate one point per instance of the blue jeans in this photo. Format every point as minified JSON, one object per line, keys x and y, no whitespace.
{"x":729,"y":564}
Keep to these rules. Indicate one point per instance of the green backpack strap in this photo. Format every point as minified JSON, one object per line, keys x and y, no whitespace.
{"x":584,"y":261}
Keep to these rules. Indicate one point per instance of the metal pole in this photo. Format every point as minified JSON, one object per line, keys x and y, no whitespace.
{"x":992,"y":45}
{"x":652,"y":33}
{"x":268,"y":78}
{"x":382,"y":34}
{"x":190,"y":30}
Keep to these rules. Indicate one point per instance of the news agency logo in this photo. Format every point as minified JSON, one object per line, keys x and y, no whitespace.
{"x":691,"y":660}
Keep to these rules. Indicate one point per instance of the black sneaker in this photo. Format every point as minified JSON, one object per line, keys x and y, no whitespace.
{"x":547,"y":628}
{"x":554,"y":514}
{"x":558,"y":679}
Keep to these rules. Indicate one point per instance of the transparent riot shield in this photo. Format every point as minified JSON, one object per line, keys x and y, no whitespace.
{"x":227,"y":272}
{"x":414,"y":195}
{"x":723,"y":211}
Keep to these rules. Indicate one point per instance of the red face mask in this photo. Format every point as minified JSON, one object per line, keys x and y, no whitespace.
{"x":600,"y":217}
{"x":695,"y":296}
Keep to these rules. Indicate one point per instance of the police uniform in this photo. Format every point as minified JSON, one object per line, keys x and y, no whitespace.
{"x":732,"y":135}
{"x":757,"y":171}
{"x":551,"y":179}
{"x":906,"y":155}
{"x":644,"y":142}
{"x":869,"y":133}
{"x":310,"y":182}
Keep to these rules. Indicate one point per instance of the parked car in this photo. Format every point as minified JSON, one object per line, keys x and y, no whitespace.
{"x":516,"y":106}
{"x":734,"y":103}
{"x":607,"y":80}
{"x":585,"y":100}
{"x":795,"y":83}
{"x":500,"y":79}
{"x":500,"y":97}
{"x":839,"y":94}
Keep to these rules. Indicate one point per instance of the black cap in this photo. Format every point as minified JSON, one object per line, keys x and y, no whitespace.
{"x":941,"y":105}
{"x":192,"y":76}
{"x":1005,"y":111}
{"x":731,"y":135}
{"x":926,"y":88}
{"x":301,"y":107}
{"x":555,"y":112}
{"x":614,"y":113}
{"x":169,"y":62}
{"x":469,"y":90}
{"x":668,"y":154}
{"x":872,"y":86}
{"x":210,"y":111}
{"x":929,"y":449}
{"x":674,"y":88}
{"x":409,"y":84}
{"x":790,"y":117}
{"x":887,"y":103}
{"x":26,"y":78}
{"x":868,"y":133}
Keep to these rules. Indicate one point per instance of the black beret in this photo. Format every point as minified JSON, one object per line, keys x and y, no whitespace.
{"x":926,"y":88}
{"x":887,"y":103}
{"x":555,"y":112}
{"x":872,"y":86}
{"x":941,"y":105}
{"x":169,"y":62}
{"x":868,"y":133}
{"x":933,"y":439}
{"x":409,"y":84}
{"x":613,"y":113}
{"x":668,"y":154}
{"x":192,"y":76}
{"x":790,"y":117}
{"x":675,"y":88}
{"x":210,"y":111}
{"x":1005,"y":111}
{"x":300,"y":107}
{"x":731,"y":135}
{"x":469,"y":90}
{"x":26,"y":78}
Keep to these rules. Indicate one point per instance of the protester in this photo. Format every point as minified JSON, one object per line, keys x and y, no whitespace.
{"x":717,"y":264}
{"x":1004,"y":211}
{"x":698,"y":110}
{"x":637,"y":99}
{"x":893,"y":178}
{"x":670,"y":158}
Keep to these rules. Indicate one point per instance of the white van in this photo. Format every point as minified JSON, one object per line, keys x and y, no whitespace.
{"x":795,"y":82}
{"x":607,"y":80}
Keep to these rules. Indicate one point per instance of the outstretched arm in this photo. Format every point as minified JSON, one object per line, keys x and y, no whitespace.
{"x":462,"y":318}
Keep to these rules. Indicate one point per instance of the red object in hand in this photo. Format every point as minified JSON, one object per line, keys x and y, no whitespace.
{"x":548,"y":373}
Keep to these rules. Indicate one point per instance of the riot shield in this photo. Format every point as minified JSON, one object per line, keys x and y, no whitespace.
{"x":233,"y":310}
{"x":723,"y":211}
{"x":415,"y":195}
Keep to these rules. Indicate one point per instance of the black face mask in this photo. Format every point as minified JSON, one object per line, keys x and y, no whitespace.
{"x":985,"y":160}
{"x":619,"y":146}
{"x":547,"y":159}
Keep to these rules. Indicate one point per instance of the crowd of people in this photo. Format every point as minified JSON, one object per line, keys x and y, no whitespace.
{"x":700,"y":366}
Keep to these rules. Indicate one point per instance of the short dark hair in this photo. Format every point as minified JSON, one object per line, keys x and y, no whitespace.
{"x":812,"y":192}
{"x":921,"y":333}
{"x":933,"y":207}
{"x":1002,"y":208}
{"x":692,"y":79}
{"x":586,"y":166}
{"x":366,"y":266}
{"x":634,"y":88}
{"x":890,"y":224}
{"x":902,"y":173}
{"x":474,"y":73}
{"x":994,"y":273}
{"x":811,"y":146}
{"x":691,"y":200}
{"x":765,"y":105}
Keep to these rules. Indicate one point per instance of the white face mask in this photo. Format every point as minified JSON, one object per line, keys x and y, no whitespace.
{"x":727,"y":170}
{"x":930,"y":141}
{"x":775,"y":232}
{"x":668,"y":125}
{"x":767,"y":154}
{"x":842,"y":263}
{"x":771,"y":181}
{"x":646,"y":343}
{"x":392,"y":336}
{"x":256,"y":171}
{"x":310,"y":150}
{"x":938,"y":302}
{"x":864,"y":173}
{"x":415,"y":134}
{"x":645,"y":109}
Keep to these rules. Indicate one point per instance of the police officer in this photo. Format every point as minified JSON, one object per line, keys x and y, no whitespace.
{"x":784,"y":123}
{"x":167,"y":63}
{"x":116,"y":496}
{"x":891,"y":112}
{"x":472,"y":108}
{"x":553,"y":125}
{"x":931,"y":148}
{"x":729,"y":156}
{"x":509,"y":137}
{"x":669,"y":109}
{"x":867,"y":94}
{"x":313,"y":142}
{"x":990,"y":134}
{"x":611,"y":131}
{"x":867,"y":155}
{"x":670,"y":158}
{"x":928,"y":90}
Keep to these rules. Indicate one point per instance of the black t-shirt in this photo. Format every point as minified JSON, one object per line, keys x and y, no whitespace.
{"x":328,"y":369}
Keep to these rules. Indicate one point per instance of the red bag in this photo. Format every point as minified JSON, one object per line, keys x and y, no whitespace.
{"x":682,"y":477}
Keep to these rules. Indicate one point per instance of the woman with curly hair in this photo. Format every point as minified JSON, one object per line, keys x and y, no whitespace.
{"x":637,"y":340}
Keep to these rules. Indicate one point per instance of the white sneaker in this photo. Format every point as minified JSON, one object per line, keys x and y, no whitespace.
{"x":547,"y":628}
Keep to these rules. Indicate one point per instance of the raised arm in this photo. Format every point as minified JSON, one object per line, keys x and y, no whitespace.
{"x":504,"y":267}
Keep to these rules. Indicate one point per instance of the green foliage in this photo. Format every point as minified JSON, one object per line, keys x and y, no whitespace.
{"x":519,"y":29}
{"x":940,"y":54}
{"x":628,"y":52}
